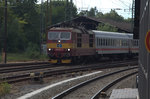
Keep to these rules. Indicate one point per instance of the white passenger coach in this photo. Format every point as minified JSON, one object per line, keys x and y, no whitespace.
{"x":108,"y":43}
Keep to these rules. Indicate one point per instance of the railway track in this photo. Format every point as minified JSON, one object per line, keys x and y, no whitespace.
{"x":102,"y":92}
{"x":47,"y":73}
{"x":65,"y":93}
{"x":17,"y":67}
{"x":21,"y":64}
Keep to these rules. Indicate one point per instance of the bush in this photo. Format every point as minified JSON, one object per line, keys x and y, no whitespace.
{"x":32,"y":51}
{"x":4,"y":88}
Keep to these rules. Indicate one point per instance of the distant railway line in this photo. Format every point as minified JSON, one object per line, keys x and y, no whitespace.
{"x":57,"y":71}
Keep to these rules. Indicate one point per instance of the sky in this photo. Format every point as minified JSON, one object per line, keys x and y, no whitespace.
{"x":105,"y":6}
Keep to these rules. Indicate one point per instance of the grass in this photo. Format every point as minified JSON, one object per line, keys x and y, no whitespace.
{"x":4,"y":88}
{"x":23,"y":57}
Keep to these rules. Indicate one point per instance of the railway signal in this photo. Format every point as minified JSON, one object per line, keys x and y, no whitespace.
{"x":147,"y":41}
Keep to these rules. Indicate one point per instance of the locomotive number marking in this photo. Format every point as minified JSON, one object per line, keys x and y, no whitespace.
{"x":59,"y":45}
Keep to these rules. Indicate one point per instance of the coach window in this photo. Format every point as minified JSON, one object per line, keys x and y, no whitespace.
{"x":137,"y":42}
{"x":99,"y":41}
{"x":103,"y":42}
{"x":110,"y":42}
{"x":120,"y":43}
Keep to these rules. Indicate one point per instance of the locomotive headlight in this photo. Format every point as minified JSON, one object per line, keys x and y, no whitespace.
{"x":49,"y":49}
{"x":59,"y":41}
{"x":68,"y":49}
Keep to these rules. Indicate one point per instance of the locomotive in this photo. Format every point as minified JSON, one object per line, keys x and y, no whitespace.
{"x":68,"y":45}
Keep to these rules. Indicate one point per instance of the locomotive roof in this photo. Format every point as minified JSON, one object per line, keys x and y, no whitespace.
{"x":76,"y":30}
{"x":112,"y":34}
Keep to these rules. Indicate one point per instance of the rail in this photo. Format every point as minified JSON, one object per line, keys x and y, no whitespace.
{"x":104,"y":89}
{"x":66,"y":92}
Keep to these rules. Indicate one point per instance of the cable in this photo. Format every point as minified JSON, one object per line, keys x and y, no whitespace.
{"x":123,"y":2}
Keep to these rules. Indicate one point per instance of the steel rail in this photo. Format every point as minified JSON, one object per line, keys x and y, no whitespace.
{"x":22,"y":64}
{"x":104,"y":89}
{"x":41,"y":66}
{"x":68,"y":91}
{"x":30,"y":67}
{"x":12,"y":79}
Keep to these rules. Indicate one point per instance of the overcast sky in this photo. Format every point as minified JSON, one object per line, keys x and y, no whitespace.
{"x":106,"y":5}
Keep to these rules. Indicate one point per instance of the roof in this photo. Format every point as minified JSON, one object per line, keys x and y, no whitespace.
{"x":91,"y":23}
{"x":112,"y":34}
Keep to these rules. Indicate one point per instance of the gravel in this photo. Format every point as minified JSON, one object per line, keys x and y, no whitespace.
{"x":22,"y":88}
{"x":86,"y":92}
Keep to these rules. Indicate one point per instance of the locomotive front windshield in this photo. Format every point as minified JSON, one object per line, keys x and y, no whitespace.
{"x":59,"y":35}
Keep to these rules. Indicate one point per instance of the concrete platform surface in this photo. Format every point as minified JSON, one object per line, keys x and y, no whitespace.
{"x":127,"y":93}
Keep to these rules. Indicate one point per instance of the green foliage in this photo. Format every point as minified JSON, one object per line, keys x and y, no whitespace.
{"x":4,"y":88}
{"x":106,"y":27}
{"x":32,"y":51}
{"x":92,"y":13}
{"x":113,"y":15}
{"x":129,"y":20}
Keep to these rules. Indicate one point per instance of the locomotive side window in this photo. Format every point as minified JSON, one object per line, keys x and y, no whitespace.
{"x":79,"y":40}
{"x":91,"y":40}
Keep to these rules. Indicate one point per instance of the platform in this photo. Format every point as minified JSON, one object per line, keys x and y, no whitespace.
{"x":127,"y":93}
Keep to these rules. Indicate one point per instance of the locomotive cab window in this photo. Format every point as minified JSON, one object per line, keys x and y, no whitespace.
{"x":65,"y":35}
{"x":53,"y":35}
{"x":59,"y":35}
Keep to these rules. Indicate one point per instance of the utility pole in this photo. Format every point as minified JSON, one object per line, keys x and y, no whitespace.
{"x":50,"y":13}
{"x":47,"y":6}
{"x":71,"y":9}
{"x":133,"y":13}
{"x":5,"y":34}
{"x":67,"y":12}
{"x":41,"y":28}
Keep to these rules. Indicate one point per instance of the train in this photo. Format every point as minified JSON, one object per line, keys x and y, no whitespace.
{"x":75,"y":45}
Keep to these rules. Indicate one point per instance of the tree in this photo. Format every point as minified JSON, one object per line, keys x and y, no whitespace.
{"x":24,"y":22}
{"x":113,"y":15}
{"x":106,"y":27}
{"x":92,"y":12}
{"x":59,"y":13}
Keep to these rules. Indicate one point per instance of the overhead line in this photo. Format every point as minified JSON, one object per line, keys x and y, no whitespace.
{"x":123,"y":2}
